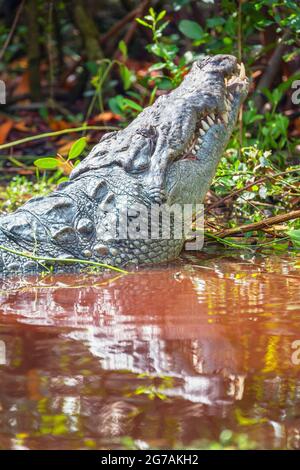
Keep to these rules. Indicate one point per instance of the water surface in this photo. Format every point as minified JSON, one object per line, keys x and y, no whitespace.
{"x":163,"y":357}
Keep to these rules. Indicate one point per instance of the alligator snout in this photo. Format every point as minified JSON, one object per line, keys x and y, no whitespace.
{"x":225,"y":65}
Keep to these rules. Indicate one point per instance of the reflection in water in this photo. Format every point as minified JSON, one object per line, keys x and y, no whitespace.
{"x":166,"y":356}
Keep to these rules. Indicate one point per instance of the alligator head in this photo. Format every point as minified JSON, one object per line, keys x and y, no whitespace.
{"x":194,"y":121}
{"x":211,"y":95}
{"x":168,"y":153}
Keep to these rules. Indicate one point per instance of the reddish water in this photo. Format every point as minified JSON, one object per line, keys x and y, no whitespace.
{"x":168,"y":357}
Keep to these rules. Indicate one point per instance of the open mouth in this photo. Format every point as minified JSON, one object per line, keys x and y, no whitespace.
{"x":233,"y":86}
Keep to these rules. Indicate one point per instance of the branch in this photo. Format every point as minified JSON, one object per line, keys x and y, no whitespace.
{"x":70,"y":260}
{"x":33,"y":49}
{"x":56,"y":133}
{"x":132,"y":28}
{"x":88,"y":31}
{"x":266,"y":223}
{"x":271,"y":71}
{"x":12,"y":29}
{"x":116,"y":28}
{"x":248,"y":186}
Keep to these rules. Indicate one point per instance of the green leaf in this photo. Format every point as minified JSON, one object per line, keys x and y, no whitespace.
{"x":164,"y":84}
{"x":63,"y":179}
{"x":214,"y":22}
{"x":152,"y":96}
{"x":44,"y":113}
{"x":46,"y":163}
{"x":132,"y":104}
{"x":161,"y":15}
{"x":143,"y":23}
{"x":126,"y":75}
{"x":123,"y":48}
{"x":77,"y":148}
{"x":191,"y":29}
{"x":115,"y":104}
{"x":295,"y":237}
{"x":152,"y":12}
{"x":157,"y":66}
{"x":227,"y":41}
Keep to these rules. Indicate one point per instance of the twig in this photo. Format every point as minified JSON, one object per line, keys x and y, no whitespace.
{"x":239,"y":31}
{"x":50,"y":50}
{"x":65,"y":260}
{"x":56,"y":133}
{"x":117,"y":27}
{"x":271,"y":70}
{"x":12,"y":29}
{"x":128,"y":36}
{"x":33,"y":9}
{"x":240,"y":48}
{"x":266,"y":223}
{"x":249,"y":185}
{"x":88,"y":30}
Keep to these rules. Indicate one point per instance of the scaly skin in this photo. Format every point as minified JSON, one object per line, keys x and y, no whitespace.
{"x":168,"y":154}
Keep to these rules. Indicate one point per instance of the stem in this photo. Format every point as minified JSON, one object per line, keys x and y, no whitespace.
{"x":33,"y":49}
{"x":266,"y":223}
{"x":88,"y":30}
{"x":58,"y":260}
{"x":240,"y":45}
{"x":240,"y":37}
{"x":244,"y":246}
{"x":50,"y":50}
{"x":53,"y":134}
{"x":249,"y":185}
{"x":98,"y":91}
{"x":12,"y":30}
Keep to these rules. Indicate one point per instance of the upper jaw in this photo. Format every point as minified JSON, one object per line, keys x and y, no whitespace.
{"x":222,"y":115}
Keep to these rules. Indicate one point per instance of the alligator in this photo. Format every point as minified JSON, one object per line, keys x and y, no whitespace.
{"x":167,"y":155}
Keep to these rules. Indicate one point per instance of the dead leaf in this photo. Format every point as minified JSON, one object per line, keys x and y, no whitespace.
{"x":106,"y":116}
{"x":66,"y":167}
{"x":256,"y":73}
{"x":65,"y":147}
{"x":22,"y":127}
{"x":296,"y":131}
{"x":23,"y":86}
{"x":5,"y":129}
{"x":58,"y":125}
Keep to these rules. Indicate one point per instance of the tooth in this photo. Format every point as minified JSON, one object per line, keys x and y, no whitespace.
{"x":225,"y":117}
{"x":201,"y":131}
{"x":212,"y":116}
{"x":205,"y":125}
{"x":199,"y":141}
{"x":197,"y":147}
{"x":193,"y":152}
{"x":219,"y":121}
{"x":242,"y":71}
{"x":210,"y":121}
{"x":231,"y":97}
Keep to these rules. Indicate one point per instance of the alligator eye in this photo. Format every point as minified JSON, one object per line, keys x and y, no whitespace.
{"x":139,"y":163}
